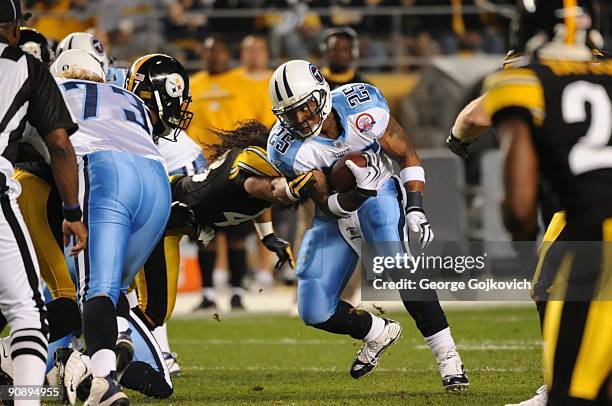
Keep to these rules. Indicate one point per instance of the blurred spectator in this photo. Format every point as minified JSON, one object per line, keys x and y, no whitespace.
{"x":130,"y":28}
{"x":340,"y":48}
{"x":254,"y":59}
{"x":64,"y":17}
{"x":180,"y":23}
{"x":296,"y":30}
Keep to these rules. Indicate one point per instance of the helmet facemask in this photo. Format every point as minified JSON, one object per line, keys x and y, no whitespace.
{"x":289,"y":119}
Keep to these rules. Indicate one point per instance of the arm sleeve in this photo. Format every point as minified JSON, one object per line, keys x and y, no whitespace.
{"x":47,"y":110}
{"x":252,"y":161}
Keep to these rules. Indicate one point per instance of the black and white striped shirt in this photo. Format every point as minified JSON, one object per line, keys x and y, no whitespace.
{"x":28,"y":93}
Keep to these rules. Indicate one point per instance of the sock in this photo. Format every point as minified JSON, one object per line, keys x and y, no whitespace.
{"x":103,"y":362}
{"x":29,"y":354}
{"x":62,"y":342}
{"x":132,"y":298}
{"x":122,"y":325}
{"x":378,"y":325}
{"x":237,"y":266}
{"x":99,"y":324}
{"x":264,"y":278}
{"x":161,"y":336}
{"x":238,"y":291}
{"x":426,"y":312}
{"x":207,"y":264}
{"x":209,"y":293}
{"x":64,"y":318}
{"x":440,"y":342}
{"x":347,"y":320}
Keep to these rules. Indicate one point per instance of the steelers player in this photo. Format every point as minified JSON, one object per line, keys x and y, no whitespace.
{"x":237,"y":187}
{"x":555,"y":119}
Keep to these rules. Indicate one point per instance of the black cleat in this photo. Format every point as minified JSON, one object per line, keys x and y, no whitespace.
{"x":236,"y":302}
{"x":124,"y":350}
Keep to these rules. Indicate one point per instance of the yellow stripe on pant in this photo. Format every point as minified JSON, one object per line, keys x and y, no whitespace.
{"x":594,"y":361}
{"x":33,"y":203}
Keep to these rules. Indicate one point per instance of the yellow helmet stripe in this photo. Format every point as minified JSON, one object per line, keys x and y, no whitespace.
{"x":139,"y":62}
{"x":570,"y":20}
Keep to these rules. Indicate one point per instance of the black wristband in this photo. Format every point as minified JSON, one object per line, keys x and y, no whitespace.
{"x":357,"y":196}
{"x":72,"y":213}
{"x":414,"y":200}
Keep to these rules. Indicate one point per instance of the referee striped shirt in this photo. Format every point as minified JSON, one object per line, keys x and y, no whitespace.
{"x":29,"y":94}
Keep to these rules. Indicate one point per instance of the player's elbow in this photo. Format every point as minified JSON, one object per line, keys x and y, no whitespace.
{"x":58,"y":143}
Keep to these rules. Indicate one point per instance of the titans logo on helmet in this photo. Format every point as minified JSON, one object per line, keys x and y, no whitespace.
{"x":316,"y":74}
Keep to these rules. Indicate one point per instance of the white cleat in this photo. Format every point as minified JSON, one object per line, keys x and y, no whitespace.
{"x":106,"y":392}
{"x":173,"y":365}
{"x":371,"y":351}
{"x":452,"y":371}
{"x":73,"y":368}
{"x":540,"y":398}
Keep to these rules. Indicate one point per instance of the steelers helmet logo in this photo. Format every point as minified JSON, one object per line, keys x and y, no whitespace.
{"x":175,"y":85}
{"x":97,"y":45}
{"x":316,"y":74}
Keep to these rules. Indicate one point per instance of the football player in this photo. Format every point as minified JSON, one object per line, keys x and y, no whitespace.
{"x":554,"y":118}
{"x":315,"y":127}
{"x":126,"y":201}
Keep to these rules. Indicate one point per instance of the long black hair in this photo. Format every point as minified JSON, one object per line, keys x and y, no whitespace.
{"x":249,"y":133}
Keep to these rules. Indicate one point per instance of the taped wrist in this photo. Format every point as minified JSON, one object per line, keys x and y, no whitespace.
{"x":414,"y":201}
{"x":72,"y":212}
{"x":334,"y":206}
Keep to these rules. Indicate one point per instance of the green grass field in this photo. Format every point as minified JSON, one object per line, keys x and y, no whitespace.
{"x":276,"y":360}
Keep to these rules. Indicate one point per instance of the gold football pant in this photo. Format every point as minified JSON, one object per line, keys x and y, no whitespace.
{"x":578,"y":322}
{"x":157,"y":281}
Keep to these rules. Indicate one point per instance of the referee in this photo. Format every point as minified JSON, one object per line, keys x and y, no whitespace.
{"x":30,"y":94}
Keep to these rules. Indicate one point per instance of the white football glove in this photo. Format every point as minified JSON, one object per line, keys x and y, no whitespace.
{"x":416,"y":219}
{"x":418,"y":223}
{"x":367,"y":178}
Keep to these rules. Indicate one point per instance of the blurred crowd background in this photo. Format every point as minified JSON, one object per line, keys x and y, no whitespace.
{"x":427,"y":56}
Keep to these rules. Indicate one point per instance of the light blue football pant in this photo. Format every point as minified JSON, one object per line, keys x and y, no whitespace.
{"x":326,"y":261}
{"x":126,"y":204}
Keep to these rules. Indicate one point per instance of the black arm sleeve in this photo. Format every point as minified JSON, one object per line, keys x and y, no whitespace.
{"x":47,"y":110}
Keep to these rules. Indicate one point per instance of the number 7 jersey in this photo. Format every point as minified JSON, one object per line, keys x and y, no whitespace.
{"x":110,"y":119}
{"x":363,"y":115}
{"x":567,"y":105}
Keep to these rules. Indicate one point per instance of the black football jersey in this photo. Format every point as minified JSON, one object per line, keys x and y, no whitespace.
{"x":568,"y":106}
{"x":217,"y":196}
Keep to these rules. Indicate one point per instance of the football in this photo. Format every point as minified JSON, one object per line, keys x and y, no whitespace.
{"x":341,"y":178}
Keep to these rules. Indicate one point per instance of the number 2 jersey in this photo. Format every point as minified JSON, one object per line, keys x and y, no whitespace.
{"x":363,"y":115}
{"x":110,"y":119}
{"x":217,"y":196}
{"x":567,"y":105}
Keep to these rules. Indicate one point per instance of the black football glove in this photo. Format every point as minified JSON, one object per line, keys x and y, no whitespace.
{"x":182,"y":221}
{"x":281,"y":248}
{"x":458,"y":147}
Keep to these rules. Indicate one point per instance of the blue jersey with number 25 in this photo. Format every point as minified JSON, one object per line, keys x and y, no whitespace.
{"x":363,"y":114}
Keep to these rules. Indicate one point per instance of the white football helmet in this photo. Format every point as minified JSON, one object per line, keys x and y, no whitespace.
{"x":293,"y":85}
{"x":87,"y":42}
{"x":74,"y":61}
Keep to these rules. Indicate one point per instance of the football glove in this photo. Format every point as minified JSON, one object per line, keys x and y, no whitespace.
{"x":281,"y":248}
{"x":182,"y":220}
{"x":301,"y":186}
{"x":367,"y":178}
{"x":416,"y":219}
{"x":458,"y":147}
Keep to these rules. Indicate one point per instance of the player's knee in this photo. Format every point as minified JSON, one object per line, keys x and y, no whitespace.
{"x":103,"y":291}
{"x":313,"y":303}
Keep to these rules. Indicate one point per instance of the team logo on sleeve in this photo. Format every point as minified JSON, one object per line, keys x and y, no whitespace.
{"x":175,"y":85}
{"x":364,"y":122}
{"x":316,"y":74}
